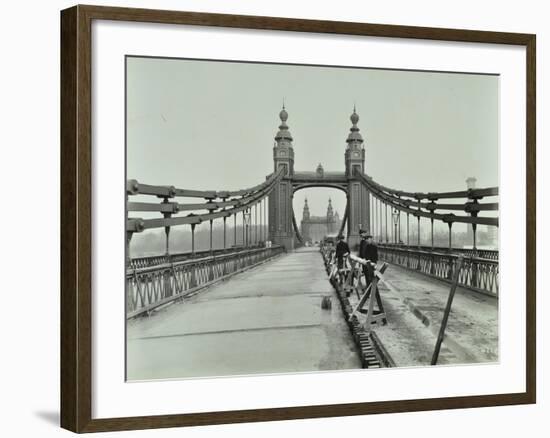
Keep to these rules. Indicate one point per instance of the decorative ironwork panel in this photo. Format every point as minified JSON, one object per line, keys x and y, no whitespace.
{"x":155,"y":281}
{"x":476,"y":273}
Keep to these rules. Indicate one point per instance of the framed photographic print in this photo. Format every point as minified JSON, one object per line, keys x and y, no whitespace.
{"x":270,"y":218}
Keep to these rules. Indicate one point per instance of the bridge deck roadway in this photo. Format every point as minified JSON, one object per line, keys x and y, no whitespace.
{"x":265,"y":320}
{"x":415,"y":304}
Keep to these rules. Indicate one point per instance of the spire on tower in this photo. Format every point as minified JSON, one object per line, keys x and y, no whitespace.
{"x":283,"y":137}
{"x":354,"y":136}
{"x":283,"y":152}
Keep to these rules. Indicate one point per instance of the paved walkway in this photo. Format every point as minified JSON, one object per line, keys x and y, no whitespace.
{"x":265,"y":320}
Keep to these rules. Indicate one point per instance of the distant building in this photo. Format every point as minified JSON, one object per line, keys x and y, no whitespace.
{"x":314,"y":228}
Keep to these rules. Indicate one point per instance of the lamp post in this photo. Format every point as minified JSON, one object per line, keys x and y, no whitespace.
{"x":247,"y":223}
{"x":395,"y":216}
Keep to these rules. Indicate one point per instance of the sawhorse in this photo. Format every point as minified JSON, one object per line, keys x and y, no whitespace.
{"x":371,"y":294}
{"x":341,"y":275}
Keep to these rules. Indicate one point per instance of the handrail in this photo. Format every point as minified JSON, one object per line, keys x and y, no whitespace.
{"x":186,"y":262}
{"x":154,"y":260}
{"x":441,"y":254}
{"x":155,"y":286}
{"x":479,"y":274}
{"x":490,"y":254}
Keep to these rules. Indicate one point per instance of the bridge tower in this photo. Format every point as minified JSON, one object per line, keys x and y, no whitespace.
{"x":357,"y":194}
{"x":280,"y":199}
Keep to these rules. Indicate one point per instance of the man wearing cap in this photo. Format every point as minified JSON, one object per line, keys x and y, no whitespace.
{"x":368,"y":251}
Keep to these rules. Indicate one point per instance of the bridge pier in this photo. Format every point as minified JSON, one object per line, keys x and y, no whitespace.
{"x":281,"y":231}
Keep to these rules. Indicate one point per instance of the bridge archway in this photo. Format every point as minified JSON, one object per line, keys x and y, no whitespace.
{"x":319,"y":211}
{"x":319,"y":185}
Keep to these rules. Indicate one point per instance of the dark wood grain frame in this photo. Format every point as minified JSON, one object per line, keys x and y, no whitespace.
{"x":76,"y":218}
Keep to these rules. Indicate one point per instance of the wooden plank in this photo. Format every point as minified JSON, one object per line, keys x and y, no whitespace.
{"x":441,"y":335}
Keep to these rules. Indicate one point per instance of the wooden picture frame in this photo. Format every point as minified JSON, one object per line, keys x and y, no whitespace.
{"x":76,"y":217}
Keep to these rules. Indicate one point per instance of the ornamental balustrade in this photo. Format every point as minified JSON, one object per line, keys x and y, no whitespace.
{"x":480,"y":274}
{"x":149,"y":287}
{"x":491,"y":254}
{"x":155,"y":260}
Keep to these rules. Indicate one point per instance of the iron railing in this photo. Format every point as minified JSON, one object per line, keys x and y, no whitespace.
{"x":490,"y":254}
{"x":148,"y":261}
{"x":148,"y":287}
{"x":480,"y":274}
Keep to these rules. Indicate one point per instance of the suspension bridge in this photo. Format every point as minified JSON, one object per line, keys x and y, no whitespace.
{"x":265,"y":302}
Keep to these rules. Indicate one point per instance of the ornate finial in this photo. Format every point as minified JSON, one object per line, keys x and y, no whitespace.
{"x":354,"y":117}
{"x":283,"y":135}
{"x":283,"y":115}
{"x":354,"y":136}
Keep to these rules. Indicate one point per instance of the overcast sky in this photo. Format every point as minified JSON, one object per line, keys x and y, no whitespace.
{"x":210,"y":125}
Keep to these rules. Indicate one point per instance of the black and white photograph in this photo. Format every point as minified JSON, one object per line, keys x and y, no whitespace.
{"x":291,"y":218}
{"x":275,"y":219}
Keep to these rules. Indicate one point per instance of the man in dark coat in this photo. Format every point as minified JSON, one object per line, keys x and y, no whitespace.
{"x":342,"y":251}
{"x":368,"y":251}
